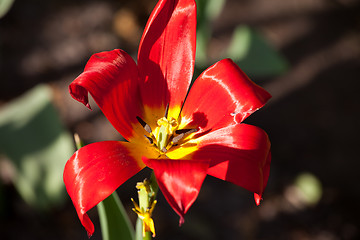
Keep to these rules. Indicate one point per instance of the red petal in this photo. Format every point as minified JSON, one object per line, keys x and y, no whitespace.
{"x":239,"y":154}
{"x":257,"y":198}
{"x":179,"y":180}
{"x":112,"y":80}
{"x":97,"y":170}
{"x":167,"y":54}
{"x":222,"y":95}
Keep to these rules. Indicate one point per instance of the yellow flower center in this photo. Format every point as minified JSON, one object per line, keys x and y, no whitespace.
{"x":164,"y":132}
{"x":168,"y":133}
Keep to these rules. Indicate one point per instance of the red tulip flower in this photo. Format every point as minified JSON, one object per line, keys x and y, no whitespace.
{"x":181,"y":137}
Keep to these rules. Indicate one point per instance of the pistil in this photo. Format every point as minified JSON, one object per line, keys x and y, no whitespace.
{"x":166,"y":134}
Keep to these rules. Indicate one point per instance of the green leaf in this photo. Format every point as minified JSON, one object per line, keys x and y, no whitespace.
{"x":33,"y":139}
{"x":213,"y":8}
{"x":5,"y":6}
{"x":208,"y":10}
{"x":114,"y":221}
{"x":254,"y":54}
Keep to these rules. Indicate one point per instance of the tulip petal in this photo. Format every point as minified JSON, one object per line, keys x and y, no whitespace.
{"x":112,"y":80}
{"x":167,"y":54}
{"x":179,"y":180}
{"x":222,"y":95}
{"x":257,"y":199}
{"x":97,"y":170}
{"x":239,"y":154}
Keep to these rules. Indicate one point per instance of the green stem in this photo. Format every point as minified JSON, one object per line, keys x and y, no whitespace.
{"x":139,"y":231}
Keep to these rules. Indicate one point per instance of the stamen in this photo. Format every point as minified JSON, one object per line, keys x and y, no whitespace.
{"x":151,"y":141}
{"x":144,"y":125}
{"x":182,"y":133}
{"x":166,"y":111}
{"x":186,"y":131}
{"x":178,"y":138}
{"x":166,"y":133}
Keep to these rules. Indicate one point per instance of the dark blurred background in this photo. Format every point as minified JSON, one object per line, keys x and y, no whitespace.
{"x":306,"y":53}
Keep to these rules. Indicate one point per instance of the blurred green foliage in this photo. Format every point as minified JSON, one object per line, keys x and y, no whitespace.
{"x":207,"y":11}
{"x":248,"y":48}
{"x":310,"y":188}
{"x":37,"y":145}
{"x":254,"y":54}
{"x":5,"y":6}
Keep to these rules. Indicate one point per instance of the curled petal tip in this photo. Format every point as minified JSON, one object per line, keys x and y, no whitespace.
{"x":88,"y":106}
{"x":257,"y":198}
{"x":181,"y":221}
{"x":80,"y":94}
